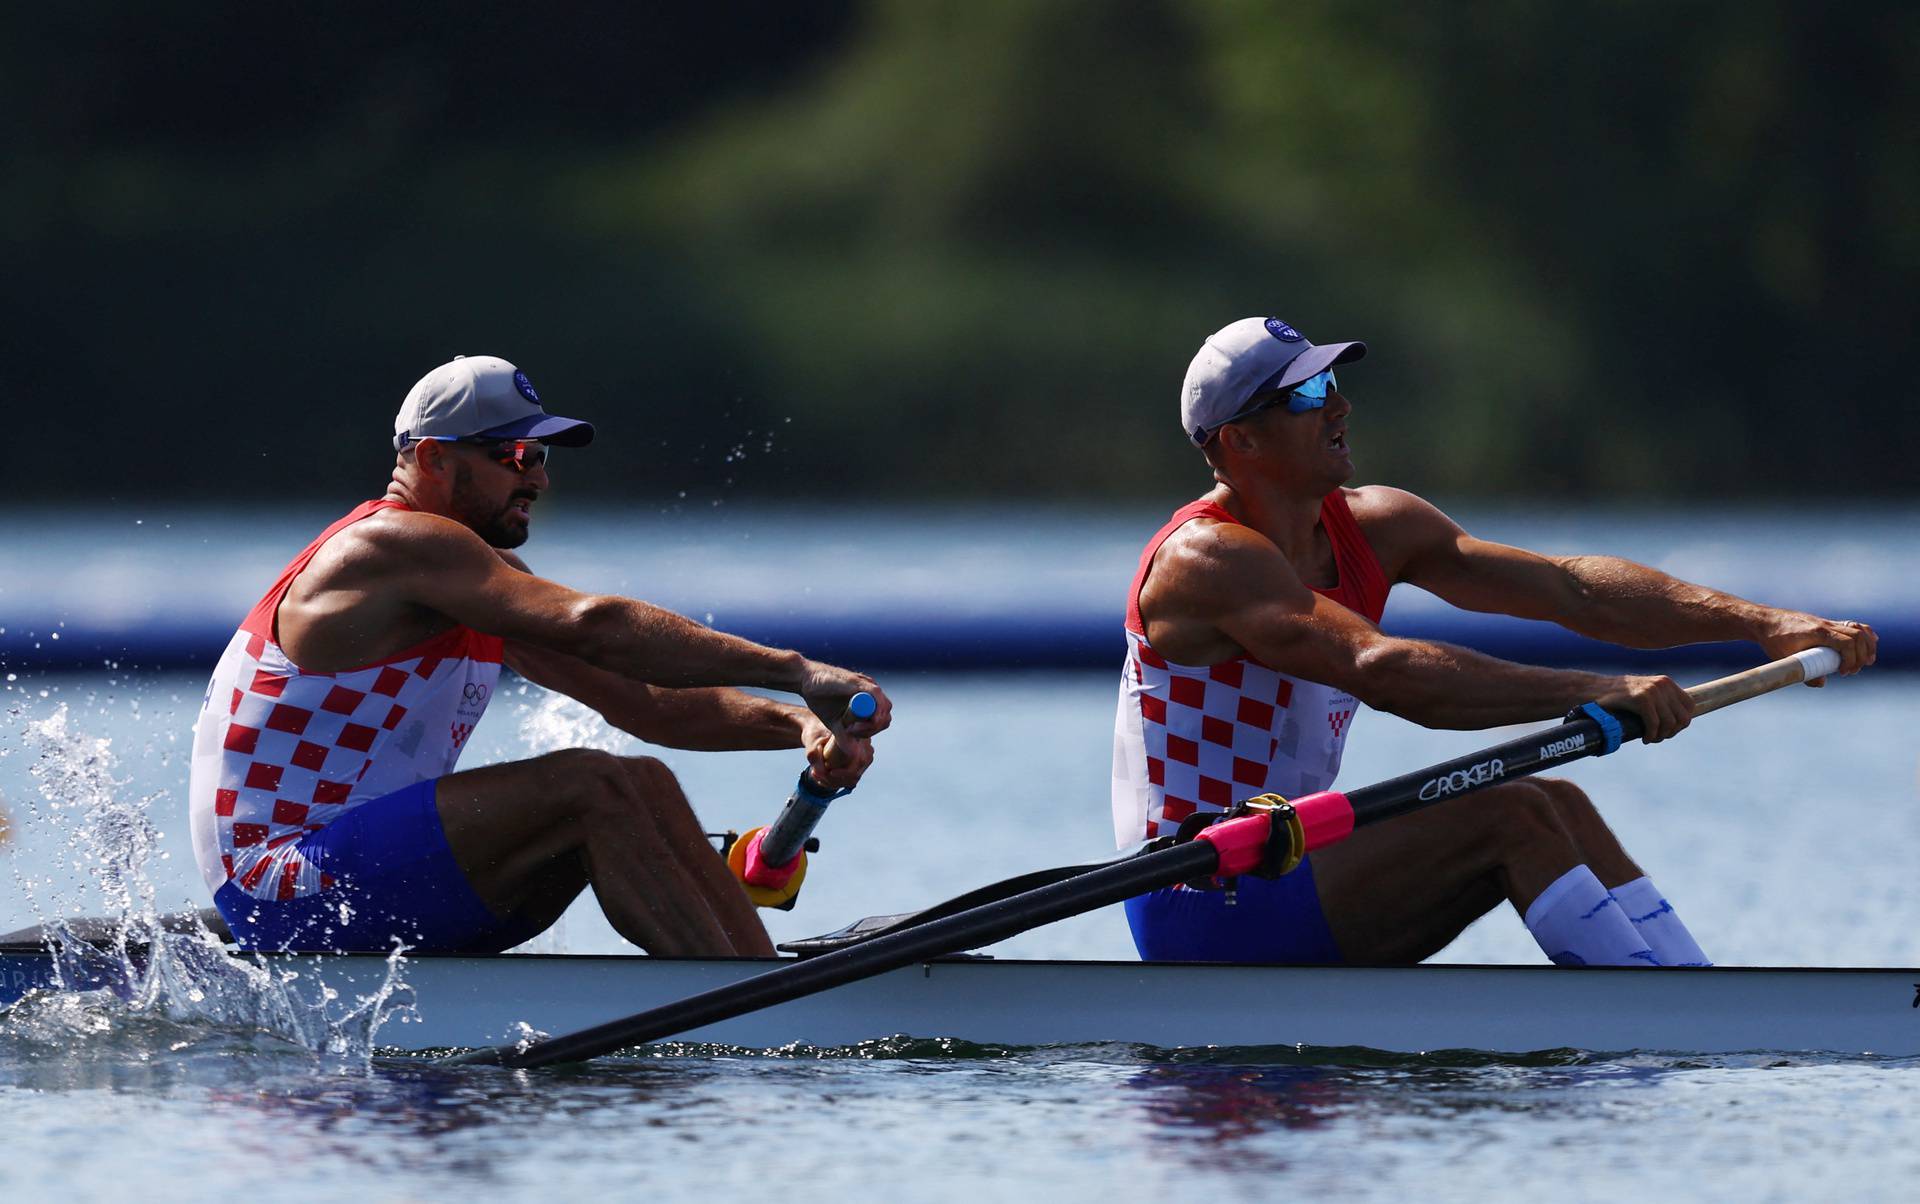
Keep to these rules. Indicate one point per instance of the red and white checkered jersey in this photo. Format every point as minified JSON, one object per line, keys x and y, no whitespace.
{"x":1193,"y":738}
{"x":280,"y":751}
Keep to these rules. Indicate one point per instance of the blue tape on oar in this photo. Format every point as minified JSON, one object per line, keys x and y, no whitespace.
{"x":1609,"y":726}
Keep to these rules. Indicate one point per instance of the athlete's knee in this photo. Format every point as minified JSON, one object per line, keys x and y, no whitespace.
{"x":588,"y":778}
{"x":623,"y":787}
{"x":1568,"y":800}
{"x":1525,"y":814}
{"x":649,"y":778}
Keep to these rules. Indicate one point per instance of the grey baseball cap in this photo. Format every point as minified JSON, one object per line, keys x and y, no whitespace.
{"x":1245,"y":358}
{"x":482,"y":395}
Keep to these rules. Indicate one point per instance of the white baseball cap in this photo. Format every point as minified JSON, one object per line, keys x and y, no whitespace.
{"x":481,"y":395}
{"x":1248,"y":357}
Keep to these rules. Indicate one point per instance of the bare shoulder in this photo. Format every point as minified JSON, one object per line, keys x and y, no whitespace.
{"x":1384,"y":503}
{"x":1207,"y":569}
{"x":398,"y":541}
{"x":1207,"y":549}
{"x":1400,"y":526}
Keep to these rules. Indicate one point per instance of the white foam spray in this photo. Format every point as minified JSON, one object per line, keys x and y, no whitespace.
{"x":129,"y":964}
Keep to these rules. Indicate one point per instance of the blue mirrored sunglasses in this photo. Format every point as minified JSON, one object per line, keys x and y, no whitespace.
{"x":1309,"y":394}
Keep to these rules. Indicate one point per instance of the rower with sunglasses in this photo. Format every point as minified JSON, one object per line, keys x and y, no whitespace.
{"x":1253,"y":638}
{"x":326,"y":810}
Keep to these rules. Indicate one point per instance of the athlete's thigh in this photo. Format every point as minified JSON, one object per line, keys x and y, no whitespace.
{"x":1399,"y":891}
{"x":515,"y":826}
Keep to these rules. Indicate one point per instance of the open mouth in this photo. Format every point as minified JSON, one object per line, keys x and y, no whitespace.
{"x":1338,"y":441}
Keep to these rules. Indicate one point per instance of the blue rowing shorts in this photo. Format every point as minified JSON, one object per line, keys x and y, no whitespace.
{"x":1275,"y":920}
{"x":394,"y":879}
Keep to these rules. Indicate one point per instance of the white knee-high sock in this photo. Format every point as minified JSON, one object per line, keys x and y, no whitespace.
{"x":1577,"y":923}
{"x":1658,"y":924}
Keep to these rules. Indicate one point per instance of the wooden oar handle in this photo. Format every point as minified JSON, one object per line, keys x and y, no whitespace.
{"x":1762,"y":679}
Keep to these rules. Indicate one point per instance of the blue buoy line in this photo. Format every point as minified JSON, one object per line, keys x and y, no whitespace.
{"x":934,"y":641}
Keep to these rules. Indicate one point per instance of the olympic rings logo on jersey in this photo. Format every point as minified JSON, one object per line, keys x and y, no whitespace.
{"x":475,"y":691}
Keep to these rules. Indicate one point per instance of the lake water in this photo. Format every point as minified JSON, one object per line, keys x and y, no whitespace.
{"x":1028,"y":586}
{"x":1785,"y":830}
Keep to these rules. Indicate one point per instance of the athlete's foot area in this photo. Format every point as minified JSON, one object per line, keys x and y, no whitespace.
{"x":1577,"y":922}
{"x":1659,"y":924}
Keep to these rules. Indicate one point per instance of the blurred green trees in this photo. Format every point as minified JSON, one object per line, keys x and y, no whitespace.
{"x":1630,"y":249}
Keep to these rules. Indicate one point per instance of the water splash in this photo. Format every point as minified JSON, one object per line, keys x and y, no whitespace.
{"x":550,"y":722}
{"x":114,"y":978}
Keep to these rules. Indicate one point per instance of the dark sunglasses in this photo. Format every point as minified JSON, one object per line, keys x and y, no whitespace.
{"x":521,"y":455}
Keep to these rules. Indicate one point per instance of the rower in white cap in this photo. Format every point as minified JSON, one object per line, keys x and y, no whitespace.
{"x":326,"y":810}
{"x":1253,"y":637}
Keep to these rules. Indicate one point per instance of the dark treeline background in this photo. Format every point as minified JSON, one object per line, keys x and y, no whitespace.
{"x":962,"y":249}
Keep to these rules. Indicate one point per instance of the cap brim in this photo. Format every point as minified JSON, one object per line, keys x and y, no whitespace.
{"x":548,"y":428}
{"x":1312,"y":362}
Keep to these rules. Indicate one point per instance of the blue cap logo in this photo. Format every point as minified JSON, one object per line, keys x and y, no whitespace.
{"x":1285,"y":333}
{"x":525,"y":386}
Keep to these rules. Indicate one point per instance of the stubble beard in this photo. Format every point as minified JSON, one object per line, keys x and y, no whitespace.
{"x":492,"y":523}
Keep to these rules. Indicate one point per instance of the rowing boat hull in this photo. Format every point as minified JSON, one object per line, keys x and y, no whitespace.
{"x":477,"y":1001}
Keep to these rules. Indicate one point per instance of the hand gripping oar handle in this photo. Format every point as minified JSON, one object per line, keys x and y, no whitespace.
{"x":1236,"y":846}
{"x":786,"y":836}
{"x":771,"y":862}
{"x":1589,"y":731}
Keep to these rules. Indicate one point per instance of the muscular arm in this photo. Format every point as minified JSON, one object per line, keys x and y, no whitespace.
{"x":703,"y":719}
{"x":623,"y":656}
{"x":438,"y":564}
{"x":1229,"y":581}
{"x":1603,"y":597}
{"x":707,"y":719}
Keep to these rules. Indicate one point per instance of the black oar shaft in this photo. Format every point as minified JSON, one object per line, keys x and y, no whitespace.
{"x":786,"y":837}
{"x":1519,"y":757}
{"x":968,"y":930}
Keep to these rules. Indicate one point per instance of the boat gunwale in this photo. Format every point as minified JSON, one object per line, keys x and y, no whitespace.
{"x":41,"y":950}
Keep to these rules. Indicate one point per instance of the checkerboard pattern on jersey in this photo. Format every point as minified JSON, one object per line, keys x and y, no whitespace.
{"x":294,"y":756}
{"x":1210,"y":735}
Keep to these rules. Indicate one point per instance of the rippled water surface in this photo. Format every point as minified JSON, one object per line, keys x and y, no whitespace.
{"x":1785,"y":829}
{"x":197,"y":1111}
